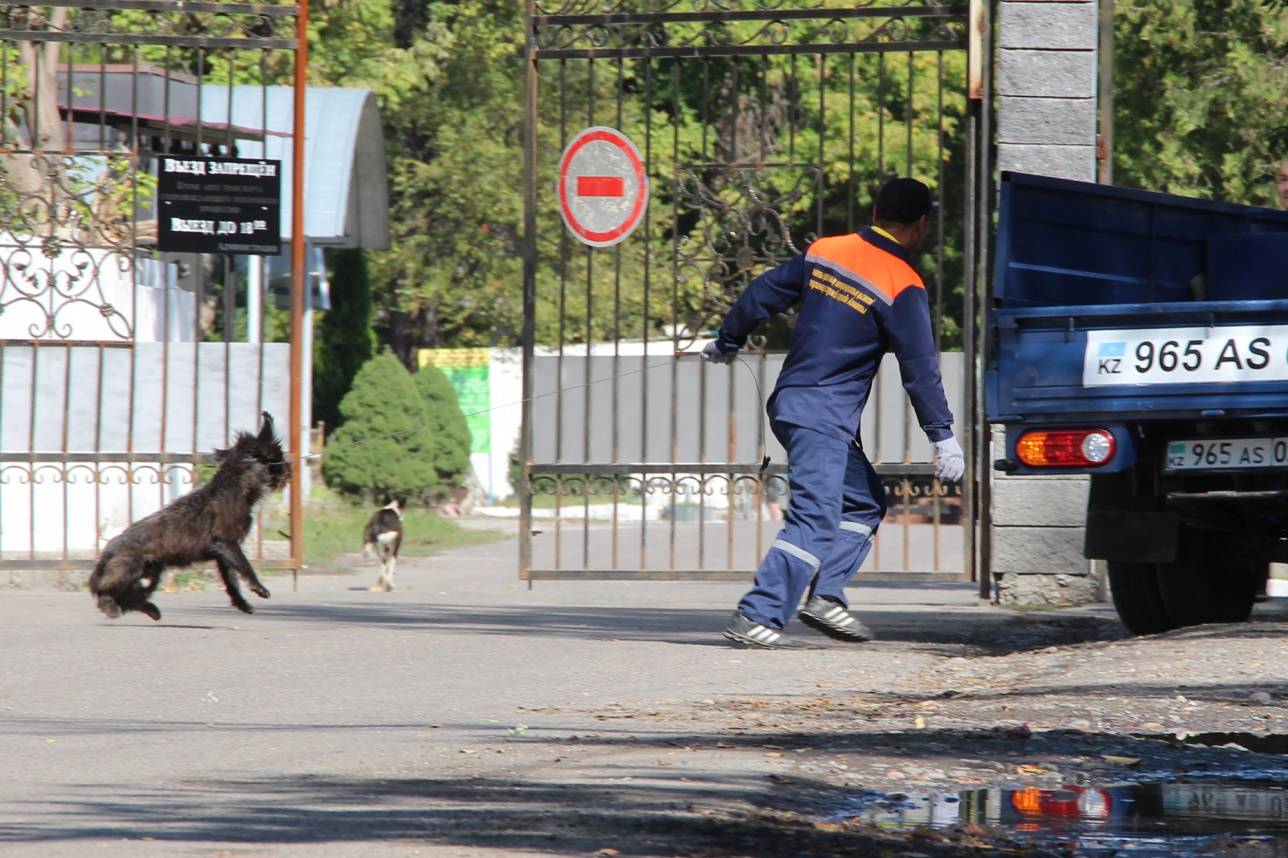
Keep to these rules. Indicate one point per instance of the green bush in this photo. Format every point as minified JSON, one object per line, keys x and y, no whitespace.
{"x":450,"y":435}
{"x":385,"y":448}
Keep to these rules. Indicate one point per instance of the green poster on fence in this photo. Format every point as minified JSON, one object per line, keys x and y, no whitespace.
{"x":467,"y":370}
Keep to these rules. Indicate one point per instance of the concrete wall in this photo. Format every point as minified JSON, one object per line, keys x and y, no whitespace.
{"x":1046,"y":124}
{"x":568,"y":428}
{"x":709,"y":424}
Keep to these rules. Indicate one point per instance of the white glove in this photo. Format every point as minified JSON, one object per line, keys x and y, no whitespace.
{"x":711,"y":353}
{"x":950,"y":461}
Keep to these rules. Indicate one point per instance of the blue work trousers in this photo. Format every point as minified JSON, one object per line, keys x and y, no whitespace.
{"x":836,"y":504}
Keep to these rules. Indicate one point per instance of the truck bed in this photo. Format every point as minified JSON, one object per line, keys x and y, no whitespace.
{"x":1057,"y":364}
{"x":1132,"y":305}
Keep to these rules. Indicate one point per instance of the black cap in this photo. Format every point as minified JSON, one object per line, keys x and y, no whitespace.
{"x":903,"y":201}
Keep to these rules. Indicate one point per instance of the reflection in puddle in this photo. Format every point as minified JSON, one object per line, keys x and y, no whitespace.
{"x":1174,"y":818}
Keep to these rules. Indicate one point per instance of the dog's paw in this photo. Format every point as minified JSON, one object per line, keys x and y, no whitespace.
{"x":260,"y":590}
{"x":243,"y":606}
{"x":151,"y":610}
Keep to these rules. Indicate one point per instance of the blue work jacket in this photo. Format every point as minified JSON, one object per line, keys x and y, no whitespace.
{"x":859,"y":297}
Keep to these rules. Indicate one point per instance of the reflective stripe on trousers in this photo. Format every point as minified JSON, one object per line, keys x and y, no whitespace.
{"x":836,"y":504}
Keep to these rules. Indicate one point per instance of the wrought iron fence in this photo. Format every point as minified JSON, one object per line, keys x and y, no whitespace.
{"x":122,"y":367}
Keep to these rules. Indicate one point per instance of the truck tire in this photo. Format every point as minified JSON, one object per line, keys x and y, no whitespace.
{"x":1212,"y":580}
{"x":1137,"y":598}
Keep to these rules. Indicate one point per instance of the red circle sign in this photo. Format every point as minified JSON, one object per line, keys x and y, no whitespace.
{"x":603,"y":188}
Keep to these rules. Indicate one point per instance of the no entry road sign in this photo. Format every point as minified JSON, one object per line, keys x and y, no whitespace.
{"x":603,"y":189}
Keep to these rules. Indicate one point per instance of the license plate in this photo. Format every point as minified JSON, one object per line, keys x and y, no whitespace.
{"x":1216,"y":802}
{"x":1229,"y":354}
{"x":1225,"y":454}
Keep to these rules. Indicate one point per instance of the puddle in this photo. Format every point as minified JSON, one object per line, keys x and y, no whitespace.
{"x":1181,"y":817}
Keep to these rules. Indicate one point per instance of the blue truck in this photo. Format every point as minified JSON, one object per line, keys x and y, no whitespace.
{"x":1142,"y":338}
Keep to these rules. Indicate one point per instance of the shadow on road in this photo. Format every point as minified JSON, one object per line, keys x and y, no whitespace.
{"x":631,"y":806}
{"x":508,"y":815}
{"x":980,"y":633}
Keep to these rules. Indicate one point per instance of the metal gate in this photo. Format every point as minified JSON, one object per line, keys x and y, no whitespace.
{"x":761,"y":125}
{"x":122,"y":368}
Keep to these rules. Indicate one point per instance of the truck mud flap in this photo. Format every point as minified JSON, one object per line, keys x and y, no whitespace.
{"x":1132,"y":536}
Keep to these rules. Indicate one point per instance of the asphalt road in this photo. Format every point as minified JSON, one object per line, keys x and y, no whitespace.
{"x":463,"y":715}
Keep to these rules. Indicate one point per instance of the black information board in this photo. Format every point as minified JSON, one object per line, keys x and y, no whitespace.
{"x":219,"y":205}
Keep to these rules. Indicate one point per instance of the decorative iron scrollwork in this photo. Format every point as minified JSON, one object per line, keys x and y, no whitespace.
{"x":639,"y":7}
{"x":742,"y":229}
{"x":579,"y":26}
{"x":912,"y":498}
{"x":172,"y":21}
{"x":99,"y":473}
{"x":66,"y":235}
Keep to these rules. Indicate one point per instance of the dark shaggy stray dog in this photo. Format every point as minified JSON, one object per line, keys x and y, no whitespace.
{"x":383,"y":536}
{"x":208,"y":523}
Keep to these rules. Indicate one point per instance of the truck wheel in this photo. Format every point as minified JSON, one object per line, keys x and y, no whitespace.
{"x":1212,"y":580}
{"x":1137,"y":599}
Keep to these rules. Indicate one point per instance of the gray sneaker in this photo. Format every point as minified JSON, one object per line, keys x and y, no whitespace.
{"x":751,"y":633}
{"x":826,"y":616}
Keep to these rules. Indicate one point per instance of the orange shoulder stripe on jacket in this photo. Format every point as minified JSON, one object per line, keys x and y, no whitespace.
{"x":870,"y":266}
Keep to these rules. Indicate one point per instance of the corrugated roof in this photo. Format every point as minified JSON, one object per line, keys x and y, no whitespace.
{"x":346,"y":196}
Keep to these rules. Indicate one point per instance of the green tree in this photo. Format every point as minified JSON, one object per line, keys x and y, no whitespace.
{"x":450,"y":436}
{"x":1199,"y":97}
{"x":344,"y":339}
{"x":449,"y":77}
{"x":384,"y":448}
{"x":453,"y":272}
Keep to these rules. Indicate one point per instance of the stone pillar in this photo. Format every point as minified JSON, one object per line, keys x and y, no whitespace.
{"x":1046,"y":124}
{"x":1046,"y":85}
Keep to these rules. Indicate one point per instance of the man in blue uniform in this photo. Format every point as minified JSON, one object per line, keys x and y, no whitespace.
{"x":858,"y":297}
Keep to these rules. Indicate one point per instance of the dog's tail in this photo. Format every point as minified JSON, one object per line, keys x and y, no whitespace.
{"x":110,"y":578}
{"x":108,"y":606}
{"x":99,"y":583}
{"x":96,"y":583}
{"x":108,"y":573}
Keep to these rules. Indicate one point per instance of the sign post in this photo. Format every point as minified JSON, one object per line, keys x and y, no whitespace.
{"x":603,"y":186}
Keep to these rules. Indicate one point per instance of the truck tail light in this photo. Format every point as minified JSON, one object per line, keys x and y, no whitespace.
{"x":1045,"y":802}
{"x":1066,"y":448}
{"x":1027,"y":801}
{"x":1095,"y":804}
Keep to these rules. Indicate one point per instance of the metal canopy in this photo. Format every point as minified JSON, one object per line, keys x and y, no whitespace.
{"x":346,"y":186}
{"x":346,"y":194}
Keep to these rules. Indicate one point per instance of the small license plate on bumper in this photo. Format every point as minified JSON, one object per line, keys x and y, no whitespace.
{"x":1227,"y":454}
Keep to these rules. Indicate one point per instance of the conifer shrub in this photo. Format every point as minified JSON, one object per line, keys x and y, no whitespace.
{"x":449,"y":433}
{"x":385,"y":448}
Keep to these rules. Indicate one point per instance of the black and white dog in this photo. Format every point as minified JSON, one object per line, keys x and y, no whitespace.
{"x":383,"y":536}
